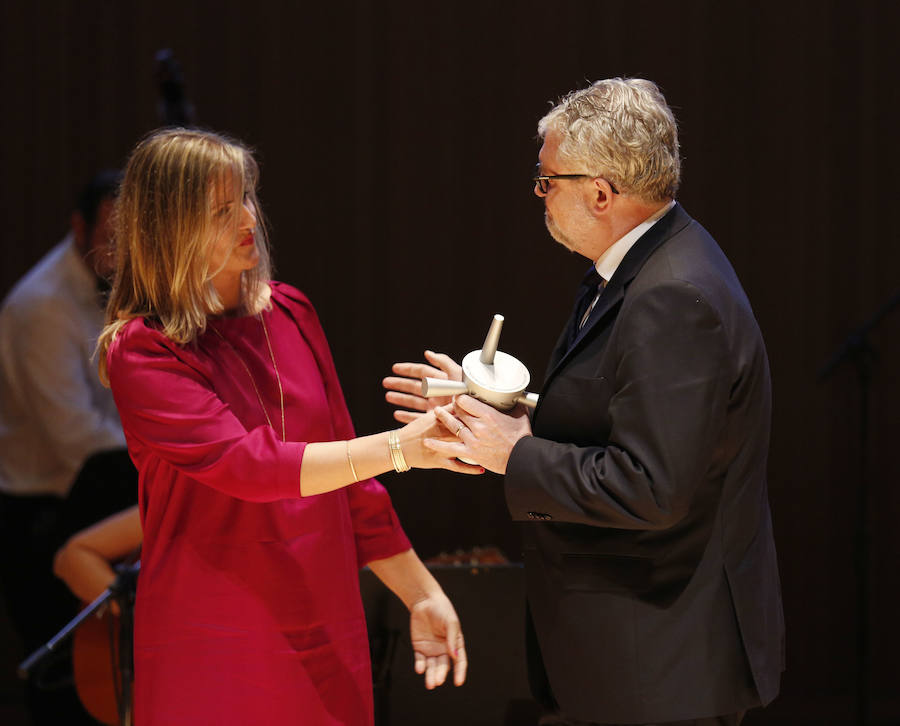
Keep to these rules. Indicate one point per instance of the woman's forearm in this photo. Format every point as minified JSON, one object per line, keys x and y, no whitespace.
{"x":326,"y":465}
{"x":330,"y":465}
{"x":407,"y":577}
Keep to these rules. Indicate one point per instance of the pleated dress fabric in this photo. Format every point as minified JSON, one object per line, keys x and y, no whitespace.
{"x":248,"y":607}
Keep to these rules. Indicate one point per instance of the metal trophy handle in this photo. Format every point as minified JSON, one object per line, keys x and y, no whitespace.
{"x":432,"y":387}
{"x":489,"y":375}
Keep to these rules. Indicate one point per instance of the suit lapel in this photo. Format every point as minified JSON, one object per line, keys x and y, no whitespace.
{"x":562,"y":345}
{"x":614,"y":292}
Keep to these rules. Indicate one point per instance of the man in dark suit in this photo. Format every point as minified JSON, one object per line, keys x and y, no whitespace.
{"x":653,"y":591}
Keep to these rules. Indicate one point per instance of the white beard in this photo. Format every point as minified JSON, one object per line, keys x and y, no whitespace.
{"x":557,"y":233}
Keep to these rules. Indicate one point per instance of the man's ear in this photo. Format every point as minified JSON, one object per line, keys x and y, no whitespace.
{"x":79,"y":232}
{"x":602,"y":195}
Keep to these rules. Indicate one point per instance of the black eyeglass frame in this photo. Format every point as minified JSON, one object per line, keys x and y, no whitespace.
{"x":543,"y":180}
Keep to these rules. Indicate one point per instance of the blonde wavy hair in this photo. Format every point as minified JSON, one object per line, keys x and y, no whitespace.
{"x":164,"y":227}
{"x":623,"y":130}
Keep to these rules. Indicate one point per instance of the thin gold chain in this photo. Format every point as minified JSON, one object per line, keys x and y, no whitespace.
{"x":253,"y":381}
{"x":277,"y":377}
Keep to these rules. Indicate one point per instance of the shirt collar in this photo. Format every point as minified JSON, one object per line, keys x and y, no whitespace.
{"x":610,"y":260}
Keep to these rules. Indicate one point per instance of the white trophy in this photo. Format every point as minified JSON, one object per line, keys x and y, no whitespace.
{"x":490,"y":375}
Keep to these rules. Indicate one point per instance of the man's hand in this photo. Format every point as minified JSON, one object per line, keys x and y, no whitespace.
{"x":405,"y":388}
{"x":485,"y":435}
{"x":436,"y":640}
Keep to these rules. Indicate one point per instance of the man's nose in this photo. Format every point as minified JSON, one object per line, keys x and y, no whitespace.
{"x":537,"y":190}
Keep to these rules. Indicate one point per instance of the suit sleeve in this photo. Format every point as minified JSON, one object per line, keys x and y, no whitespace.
{"x":666,"y":413}
{"x":168,"y":407}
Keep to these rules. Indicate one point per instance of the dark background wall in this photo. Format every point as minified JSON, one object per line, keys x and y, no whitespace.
{"x":397,"y":140}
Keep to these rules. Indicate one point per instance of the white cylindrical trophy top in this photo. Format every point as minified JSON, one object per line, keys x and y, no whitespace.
{"x":505,"y":375}
{"x":491,"y":341}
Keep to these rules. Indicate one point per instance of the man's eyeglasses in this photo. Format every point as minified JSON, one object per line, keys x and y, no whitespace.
{"x":543,"y":180}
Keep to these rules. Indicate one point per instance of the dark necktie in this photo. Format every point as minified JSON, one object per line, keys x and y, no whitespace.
{"x":587,"y":293}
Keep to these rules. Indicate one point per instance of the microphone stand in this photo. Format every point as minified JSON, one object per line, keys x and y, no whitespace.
{"x":857,"y":349}
{"x":122,"y":589}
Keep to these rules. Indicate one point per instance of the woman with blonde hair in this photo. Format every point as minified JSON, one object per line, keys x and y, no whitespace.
{"x":257,"y":501}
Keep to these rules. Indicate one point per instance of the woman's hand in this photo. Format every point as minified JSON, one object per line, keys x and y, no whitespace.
{"x":434,"y":628}
{"x":437,"y":640}
{"x":418,"y":439}
{"x":405,"y":388}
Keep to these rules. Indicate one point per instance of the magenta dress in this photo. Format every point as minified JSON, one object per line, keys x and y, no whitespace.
{"x":248,"y":608}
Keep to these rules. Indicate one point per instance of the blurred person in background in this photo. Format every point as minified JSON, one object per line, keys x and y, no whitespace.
{"x":63,"y":462}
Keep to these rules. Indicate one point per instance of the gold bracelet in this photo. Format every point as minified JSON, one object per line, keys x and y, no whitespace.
{"x":397,"y":458}
{"x":392,"y":447}
{"x":350,"y":461}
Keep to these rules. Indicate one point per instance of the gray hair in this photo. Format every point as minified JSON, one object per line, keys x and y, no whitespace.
{"x":624,"y":131}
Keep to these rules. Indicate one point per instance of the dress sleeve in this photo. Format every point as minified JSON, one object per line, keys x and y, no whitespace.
{"x":168,"y":407}
{"x":375,"y":524}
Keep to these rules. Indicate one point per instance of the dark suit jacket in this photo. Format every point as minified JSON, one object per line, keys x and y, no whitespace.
{"x":652,"y":578}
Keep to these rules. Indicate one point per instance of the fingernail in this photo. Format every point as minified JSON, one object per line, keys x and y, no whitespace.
{"x":482,"y":469}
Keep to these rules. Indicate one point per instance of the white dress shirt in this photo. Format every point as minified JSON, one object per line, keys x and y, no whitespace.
{"x":609,"y":261}
{"x":54,"y":412}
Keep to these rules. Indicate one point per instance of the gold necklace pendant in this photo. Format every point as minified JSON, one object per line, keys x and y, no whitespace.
{"x":259,"y":398}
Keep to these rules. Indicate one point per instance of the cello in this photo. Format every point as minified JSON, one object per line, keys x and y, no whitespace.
{"x":102,"y":651}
